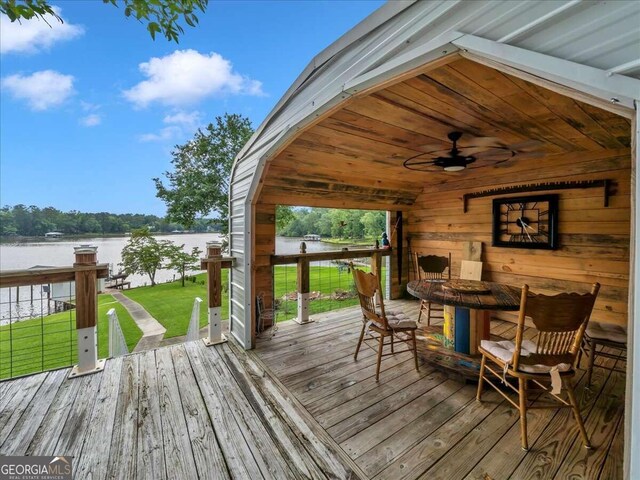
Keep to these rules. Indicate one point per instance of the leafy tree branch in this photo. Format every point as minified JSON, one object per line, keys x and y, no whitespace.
{"x":160,"y":16}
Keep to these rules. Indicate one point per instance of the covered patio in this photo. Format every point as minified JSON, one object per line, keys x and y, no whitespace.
{"x":436,"y":112}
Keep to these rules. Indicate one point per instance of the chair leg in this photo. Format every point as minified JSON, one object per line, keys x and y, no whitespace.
{"x":481,"y":379}
{"x":592,"y":359}
{"x":428,"y":313}
{"x":415,"y":349}
{"x":355,"y":356}
{"x":420,"y":312}
{"x":522,"y":390}
{"x":392,"y":339}
{"x":576,"y":413}
{"x":379,"y":357}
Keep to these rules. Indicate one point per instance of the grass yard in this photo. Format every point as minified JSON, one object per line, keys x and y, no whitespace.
{"x":50,"y":342}
{"x":171,"y":303}
{"x":327,"y":279}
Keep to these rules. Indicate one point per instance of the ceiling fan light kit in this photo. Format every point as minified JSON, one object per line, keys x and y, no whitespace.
{"x":455,"y":160}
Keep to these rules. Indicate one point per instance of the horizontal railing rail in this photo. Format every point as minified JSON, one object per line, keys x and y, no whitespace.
{"x":327,"y":272}
{"x":329,"y":255}
{"x":39,"y":276}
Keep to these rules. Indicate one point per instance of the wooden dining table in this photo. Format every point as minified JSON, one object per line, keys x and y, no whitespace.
{"x":467,"y":307}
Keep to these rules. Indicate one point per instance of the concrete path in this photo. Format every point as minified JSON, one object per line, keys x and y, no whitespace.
{"x":152,"y":330}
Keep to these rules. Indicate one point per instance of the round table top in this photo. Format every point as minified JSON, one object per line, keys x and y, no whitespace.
{"x":501,"y":296}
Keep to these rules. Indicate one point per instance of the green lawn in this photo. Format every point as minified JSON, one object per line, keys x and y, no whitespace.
{"x":171,"y":304}
{"x":326,"y":279}
{"x":50,"y":342}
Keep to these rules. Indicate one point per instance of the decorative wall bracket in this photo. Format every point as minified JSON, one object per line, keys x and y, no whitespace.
{"x":606,"y":184}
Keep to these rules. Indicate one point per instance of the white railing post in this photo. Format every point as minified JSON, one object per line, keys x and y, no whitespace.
{"x":214,"y":288}
{"x":117,"y":342}
{"x":86,"y":312}
{"x":193,"y":332}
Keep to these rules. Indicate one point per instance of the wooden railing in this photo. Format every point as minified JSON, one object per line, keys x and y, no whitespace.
{"x":85,"y":273}
{"x":213,"y":263}
{"x":303,"y":262}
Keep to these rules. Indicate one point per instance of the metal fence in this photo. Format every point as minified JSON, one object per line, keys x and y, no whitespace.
{"x":37,"y":329}
{"x":330,"y":283}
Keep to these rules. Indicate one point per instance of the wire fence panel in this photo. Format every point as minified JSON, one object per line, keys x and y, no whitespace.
{"x":193,"y":332}
{"x":117,"y":342}
{"x":37,"y":328}
{"x":330,"y":283}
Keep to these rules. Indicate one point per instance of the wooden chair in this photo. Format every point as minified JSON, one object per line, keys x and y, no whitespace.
{"x":432,"y":267}
{"x":561,"y":321}
{"x":384,"y":324}
{"x":266,"y":317}
{"x":607,"y":336}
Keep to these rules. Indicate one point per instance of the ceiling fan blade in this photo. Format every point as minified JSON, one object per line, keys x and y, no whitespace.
{"x":495,"y":154}
{"x":469,"y":141}
{"x":426,"y":162}
{"x":527,"y":145}
{"x":524,"y":155}
{"x":434,"y":147}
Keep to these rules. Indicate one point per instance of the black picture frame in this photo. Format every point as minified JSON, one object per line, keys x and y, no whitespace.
{"x":552,"y":222}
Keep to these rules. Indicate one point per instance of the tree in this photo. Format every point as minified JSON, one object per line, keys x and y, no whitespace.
{"x":144,"y":254}
{"x":284,"y":215}
{"x":182,"y":261}
{"x":162,"y":16}
{"x":199,"y":182}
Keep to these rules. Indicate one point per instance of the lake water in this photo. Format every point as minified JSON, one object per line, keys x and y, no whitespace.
{"x":59,"y":252}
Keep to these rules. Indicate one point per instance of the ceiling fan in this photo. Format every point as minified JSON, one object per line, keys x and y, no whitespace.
{"x":457,"y":158}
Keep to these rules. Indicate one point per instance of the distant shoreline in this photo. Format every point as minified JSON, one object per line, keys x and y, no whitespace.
{"x":80,"y":236}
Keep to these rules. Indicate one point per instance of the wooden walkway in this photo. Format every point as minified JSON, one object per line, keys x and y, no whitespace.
{"x":181,"y":412}
{"x":425,"y":425}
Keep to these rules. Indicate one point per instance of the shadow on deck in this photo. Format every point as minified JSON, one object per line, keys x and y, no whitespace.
{"x":427,"y":425}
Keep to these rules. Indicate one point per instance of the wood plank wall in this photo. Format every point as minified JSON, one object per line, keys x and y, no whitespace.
{"x":264,"y":246}
{"x":594,"y":240}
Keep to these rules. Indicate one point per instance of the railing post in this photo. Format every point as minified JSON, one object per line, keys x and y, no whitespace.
{"x":214,"y":295}
{"x":86,"y":312}
{"x":376,"y":269}
{"x":303,"y":291}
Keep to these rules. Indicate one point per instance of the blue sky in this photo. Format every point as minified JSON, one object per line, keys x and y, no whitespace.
{"x":90,"y":110}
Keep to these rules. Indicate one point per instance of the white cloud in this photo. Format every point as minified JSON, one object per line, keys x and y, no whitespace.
{"x":188,"y":119}
{"x":41,"y":90}
{"x":91,"y":120}
{"x":167,"y":133}
{"x":187,"y":76}
{"x":31,"y":36}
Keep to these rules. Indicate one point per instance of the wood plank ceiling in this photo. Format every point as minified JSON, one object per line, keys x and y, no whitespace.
{"x":354,"y":158}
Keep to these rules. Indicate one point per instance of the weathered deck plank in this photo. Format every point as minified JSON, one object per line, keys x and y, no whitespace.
{"x":206,"y":450}
{"x":24,"y":430}
{"x":179,"y":458}
{"x":124,"y":440}
{"x":149,"y":443}
{"x":17,"y":403}
{"x":94,"y":462}
{"x":194,"y":412}
{"x":449,"y":437}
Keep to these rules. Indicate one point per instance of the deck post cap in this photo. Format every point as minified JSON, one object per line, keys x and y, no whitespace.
{"x":85,"y":249}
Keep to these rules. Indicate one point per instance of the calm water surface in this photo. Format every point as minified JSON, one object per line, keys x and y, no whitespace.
{"x":59,"y":253}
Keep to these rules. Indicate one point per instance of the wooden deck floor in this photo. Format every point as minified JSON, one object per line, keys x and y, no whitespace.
{"x":426,"y":425}
{"x":180,"y":412}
